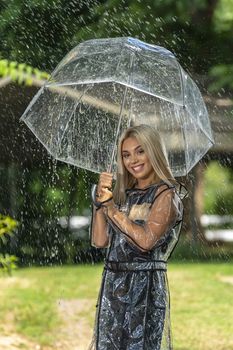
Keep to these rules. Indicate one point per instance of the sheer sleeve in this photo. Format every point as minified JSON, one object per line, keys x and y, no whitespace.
{"x":165,"y":211}
{"x":98,"y":229}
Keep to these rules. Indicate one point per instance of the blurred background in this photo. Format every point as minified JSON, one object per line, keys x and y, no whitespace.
{"x":45,"y":204}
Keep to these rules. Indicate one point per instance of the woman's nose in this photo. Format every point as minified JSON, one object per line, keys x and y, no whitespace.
{"x":134,"y":158}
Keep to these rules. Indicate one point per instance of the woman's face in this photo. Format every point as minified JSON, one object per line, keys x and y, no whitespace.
{"x":136,"y":161}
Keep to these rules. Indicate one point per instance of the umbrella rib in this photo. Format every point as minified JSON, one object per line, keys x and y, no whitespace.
{"x":182,"y":82}
{"x":209,"y":137}
{"x":71,"y":115}
{"x":97,"y":103}
{"x":193,"y":165}
{"x":197,"y":121}
{"x":65,"y":88}
{"x":185,"y":153}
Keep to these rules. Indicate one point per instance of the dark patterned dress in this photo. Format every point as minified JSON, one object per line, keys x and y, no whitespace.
{"x":133,"y":311}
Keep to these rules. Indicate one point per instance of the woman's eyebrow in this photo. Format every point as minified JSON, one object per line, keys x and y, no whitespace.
{"x":135,"y":149}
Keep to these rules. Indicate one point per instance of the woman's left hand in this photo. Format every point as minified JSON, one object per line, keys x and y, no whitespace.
{"x":104,"y":187}
{"x":106,"y":195}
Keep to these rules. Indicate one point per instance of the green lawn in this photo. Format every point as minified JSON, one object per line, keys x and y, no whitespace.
{"x":201,"y":302}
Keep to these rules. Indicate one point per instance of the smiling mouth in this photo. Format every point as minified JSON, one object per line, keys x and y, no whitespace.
{"x":137,"y":168}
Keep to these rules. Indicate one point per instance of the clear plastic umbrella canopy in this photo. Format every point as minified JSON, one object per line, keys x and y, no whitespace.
{"x":104,"y":86}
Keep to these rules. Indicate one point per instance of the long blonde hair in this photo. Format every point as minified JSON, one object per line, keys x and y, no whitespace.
{"x":151,"y":142}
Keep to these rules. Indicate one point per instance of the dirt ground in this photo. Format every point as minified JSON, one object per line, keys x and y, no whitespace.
{"x":227,"y":279}
{"x":74,"y":334}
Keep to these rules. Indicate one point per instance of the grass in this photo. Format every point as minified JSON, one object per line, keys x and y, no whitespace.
{"x":201,"y":299}
{"x":32,"y":294}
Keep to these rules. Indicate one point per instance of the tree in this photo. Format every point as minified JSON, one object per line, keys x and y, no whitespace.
{"x":199,"y":32}
{"x":38,"y":32}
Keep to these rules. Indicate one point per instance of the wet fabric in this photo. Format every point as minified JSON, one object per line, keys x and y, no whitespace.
{"x":133,"y":311}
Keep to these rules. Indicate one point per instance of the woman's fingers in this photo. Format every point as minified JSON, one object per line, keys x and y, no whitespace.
{"x":106,"y":176}
{"x":105,"y":180}
{"x":105,"y":195}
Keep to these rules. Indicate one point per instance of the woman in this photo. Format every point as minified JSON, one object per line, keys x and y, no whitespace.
{"x":139,"y":223}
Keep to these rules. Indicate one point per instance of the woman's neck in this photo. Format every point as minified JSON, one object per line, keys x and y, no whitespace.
{"x":142,"y":183}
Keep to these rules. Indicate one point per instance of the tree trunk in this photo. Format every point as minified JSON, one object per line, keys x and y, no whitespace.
{"x":194,"y":204}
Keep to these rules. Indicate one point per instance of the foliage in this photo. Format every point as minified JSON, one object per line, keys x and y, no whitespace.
{"x":20,"y":72}
{"x":186,"y":251}
{"x":223,"y":16}
{"x":7,"y":227}
{"x":218,"y":184}
{"x":48,"y":192}
{"x":222,"y":76}
{"x":8,"y":263}
{"x":38,"y":31}
{"x":41,"y":32}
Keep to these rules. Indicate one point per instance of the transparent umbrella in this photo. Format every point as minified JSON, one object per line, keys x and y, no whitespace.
{"x":103,"y":86}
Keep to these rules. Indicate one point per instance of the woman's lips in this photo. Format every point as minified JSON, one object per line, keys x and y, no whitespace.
{"x":137,"y":168}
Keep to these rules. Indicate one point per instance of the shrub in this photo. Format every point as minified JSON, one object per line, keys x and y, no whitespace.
{"x":7,"y":227}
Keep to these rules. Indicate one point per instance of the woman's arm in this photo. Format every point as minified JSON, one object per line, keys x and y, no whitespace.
{"x":99,"y":226}
{"x":164,"y":213}
{"x":99,"y":234}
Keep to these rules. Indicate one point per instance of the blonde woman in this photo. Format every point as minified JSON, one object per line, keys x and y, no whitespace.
{"x":139,"y":222}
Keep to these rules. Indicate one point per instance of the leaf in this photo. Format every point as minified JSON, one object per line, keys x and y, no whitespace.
{"x":7,"y":226}
{"x":20,"y":72}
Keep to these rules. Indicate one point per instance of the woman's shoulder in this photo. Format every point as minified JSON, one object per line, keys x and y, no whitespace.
{"x":155,"y":190}
{"x":165,"y":186}
{"x":165,"y":189}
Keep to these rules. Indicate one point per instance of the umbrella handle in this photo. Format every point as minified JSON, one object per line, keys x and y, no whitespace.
{"x":97,"y":204}
{"x":93,"y":197}
{"x":93,"y":192}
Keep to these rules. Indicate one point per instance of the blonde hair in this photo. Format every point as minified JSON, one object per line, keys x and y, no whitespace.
{"x":151,"y":142}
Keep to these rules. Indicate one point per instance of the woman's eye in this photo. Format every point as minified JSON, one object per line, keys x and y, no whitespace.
{"x":140,"y":151}
{"x":125,"y":156}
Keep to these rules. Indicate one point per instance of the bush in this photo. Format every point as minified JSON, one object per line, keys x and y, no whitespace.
{"x":188,"y":251}
{"x":8,"y":263}
{"x":7,"y":227}
{"x":218,"y":184}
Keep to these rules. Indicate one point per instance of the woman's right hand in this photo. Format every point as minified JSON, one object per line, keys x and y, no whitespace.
{"x":104,"y":188}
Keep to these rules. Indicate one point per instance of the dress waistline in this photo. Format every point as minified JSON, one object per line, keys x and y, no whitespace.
{"x":118,"y":266}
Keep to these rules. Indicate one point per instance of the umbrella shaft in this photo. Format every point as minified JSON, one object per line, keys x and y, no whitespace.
{"x":120,"y":116}
{"x":109,"y":170}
